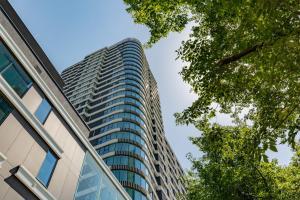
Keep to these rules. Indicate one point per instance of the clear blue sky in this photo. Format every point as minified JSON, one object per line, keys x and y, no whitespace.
{"x":70,"y":29}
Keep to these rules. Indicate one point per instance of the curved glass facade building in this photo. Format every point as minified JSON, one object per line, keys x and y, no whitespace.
{"x":115,"y":92}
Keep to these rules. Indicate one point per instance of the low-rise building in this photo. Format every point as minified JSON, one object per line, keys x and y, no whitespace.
{"x":44,"y":150}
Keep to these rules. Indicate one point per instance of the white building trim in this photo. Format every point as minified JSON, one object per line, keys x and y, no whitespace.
{"x":33,"y":184}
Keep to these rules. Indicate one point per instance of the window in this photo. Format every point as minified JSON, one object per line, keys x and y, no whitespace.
{"x":43,"y":111}
{"x":102,"y":187}
{"x":5,"y":109}
{"x":136,"y":195}
{"x":47,"y":169}
{"x":13,"y":73}
{"x":124,"y":175}
{"x":130,"y":177}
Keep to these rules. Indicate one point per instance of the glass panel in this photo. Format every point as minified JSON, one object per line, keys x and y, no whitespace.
{"x":15,"y":80}
{"x":47,"y":168}
{"x":93,"y":183}
{"x":13,"y":73}
{"x":5,"y":109}
{"x":123,"y":175}
{"x":130,"y":177}
{"x":88,"y":183}
{"x":43,"y":111}
{"x":135,"y":195}
{"x":4,"y":61}
{"x":89,"y":196}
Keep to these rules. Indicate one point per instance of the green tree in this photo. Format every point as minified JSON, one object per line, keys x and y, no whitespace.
{"x":243,"y":60}
{"x":229,"y":170}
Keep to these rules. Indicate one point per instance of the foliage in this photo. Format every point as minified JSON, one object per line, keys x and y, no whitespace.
{"x":161,"y":16}
{"x":243,"y":56}
{"x":229,"y":168}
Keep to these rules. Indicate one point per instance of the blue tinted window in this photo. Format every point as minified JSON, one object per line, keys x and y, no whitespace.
{"x":127,"y":116}
{"x":13,"y":73}
{"x":122,"y":147}
{"x":135,"y":195}
{"x":87,"y":183}
{"x":43,"y":111}
{"x":5,"y":109}
{"x":123,"y":175}
{"x":47,"y":168}
{"x":90,"y":196}
{"x":121,"y":125}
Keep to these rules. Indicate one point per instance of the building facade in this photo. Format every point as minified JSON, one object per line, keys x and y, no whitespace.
{"x":116,"y":94}
{"x":44,"y":150}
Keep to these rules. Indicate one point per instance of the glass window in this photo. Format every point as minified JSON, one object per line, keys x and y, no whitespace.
{"x":130,"y":191}
{"x":135,"y":195}
{"x":87,"y":183}
{"x":122,"y":147}
{"x":13,"y":73}
{"x":130,"y":177}
{"x":5,"y":109}
{"x":4,"y":61}
{"x":137,"y":179}
{"x":90,"y":196}
{"x":123,"y":175}
{"x":43,"y":111}
{"x":124,"y":160}
{"x":47,"y":168}
{"x":99,"y":185}
{"x":110,"y":162}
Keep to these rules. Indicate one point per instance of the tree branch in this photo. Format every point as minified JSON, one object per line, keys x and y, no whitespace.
{"x":239,"y":55}
{"x":287,"y":116}
{"x":265,"y":182}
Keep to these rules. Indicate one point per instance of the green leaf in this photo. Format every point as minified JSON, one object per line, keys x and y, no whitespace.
{"x":273,"y":148}
{"x":265,"y":158}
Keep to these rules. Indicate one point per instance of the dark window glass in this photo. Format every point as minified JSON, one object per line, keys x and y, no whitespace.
{"x":47,"y":169}
{"x":130,"y":191}
{"x":12,"y":72}
{"x":5,"y":109}
{"x":43,"y":111}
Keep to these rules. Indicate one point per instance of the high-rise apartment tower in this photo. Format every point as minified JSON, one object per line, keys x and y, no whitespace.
{"x":116,"y":94}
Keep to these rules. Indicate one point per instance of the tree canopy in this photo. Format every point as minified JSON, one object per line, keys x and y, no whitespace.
{"x":243,"y":60}
{"x":229,"y":169}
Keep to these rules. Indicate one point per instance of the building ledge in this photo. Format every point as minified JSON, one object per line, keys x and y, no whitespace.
{"x":33,"y":184}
